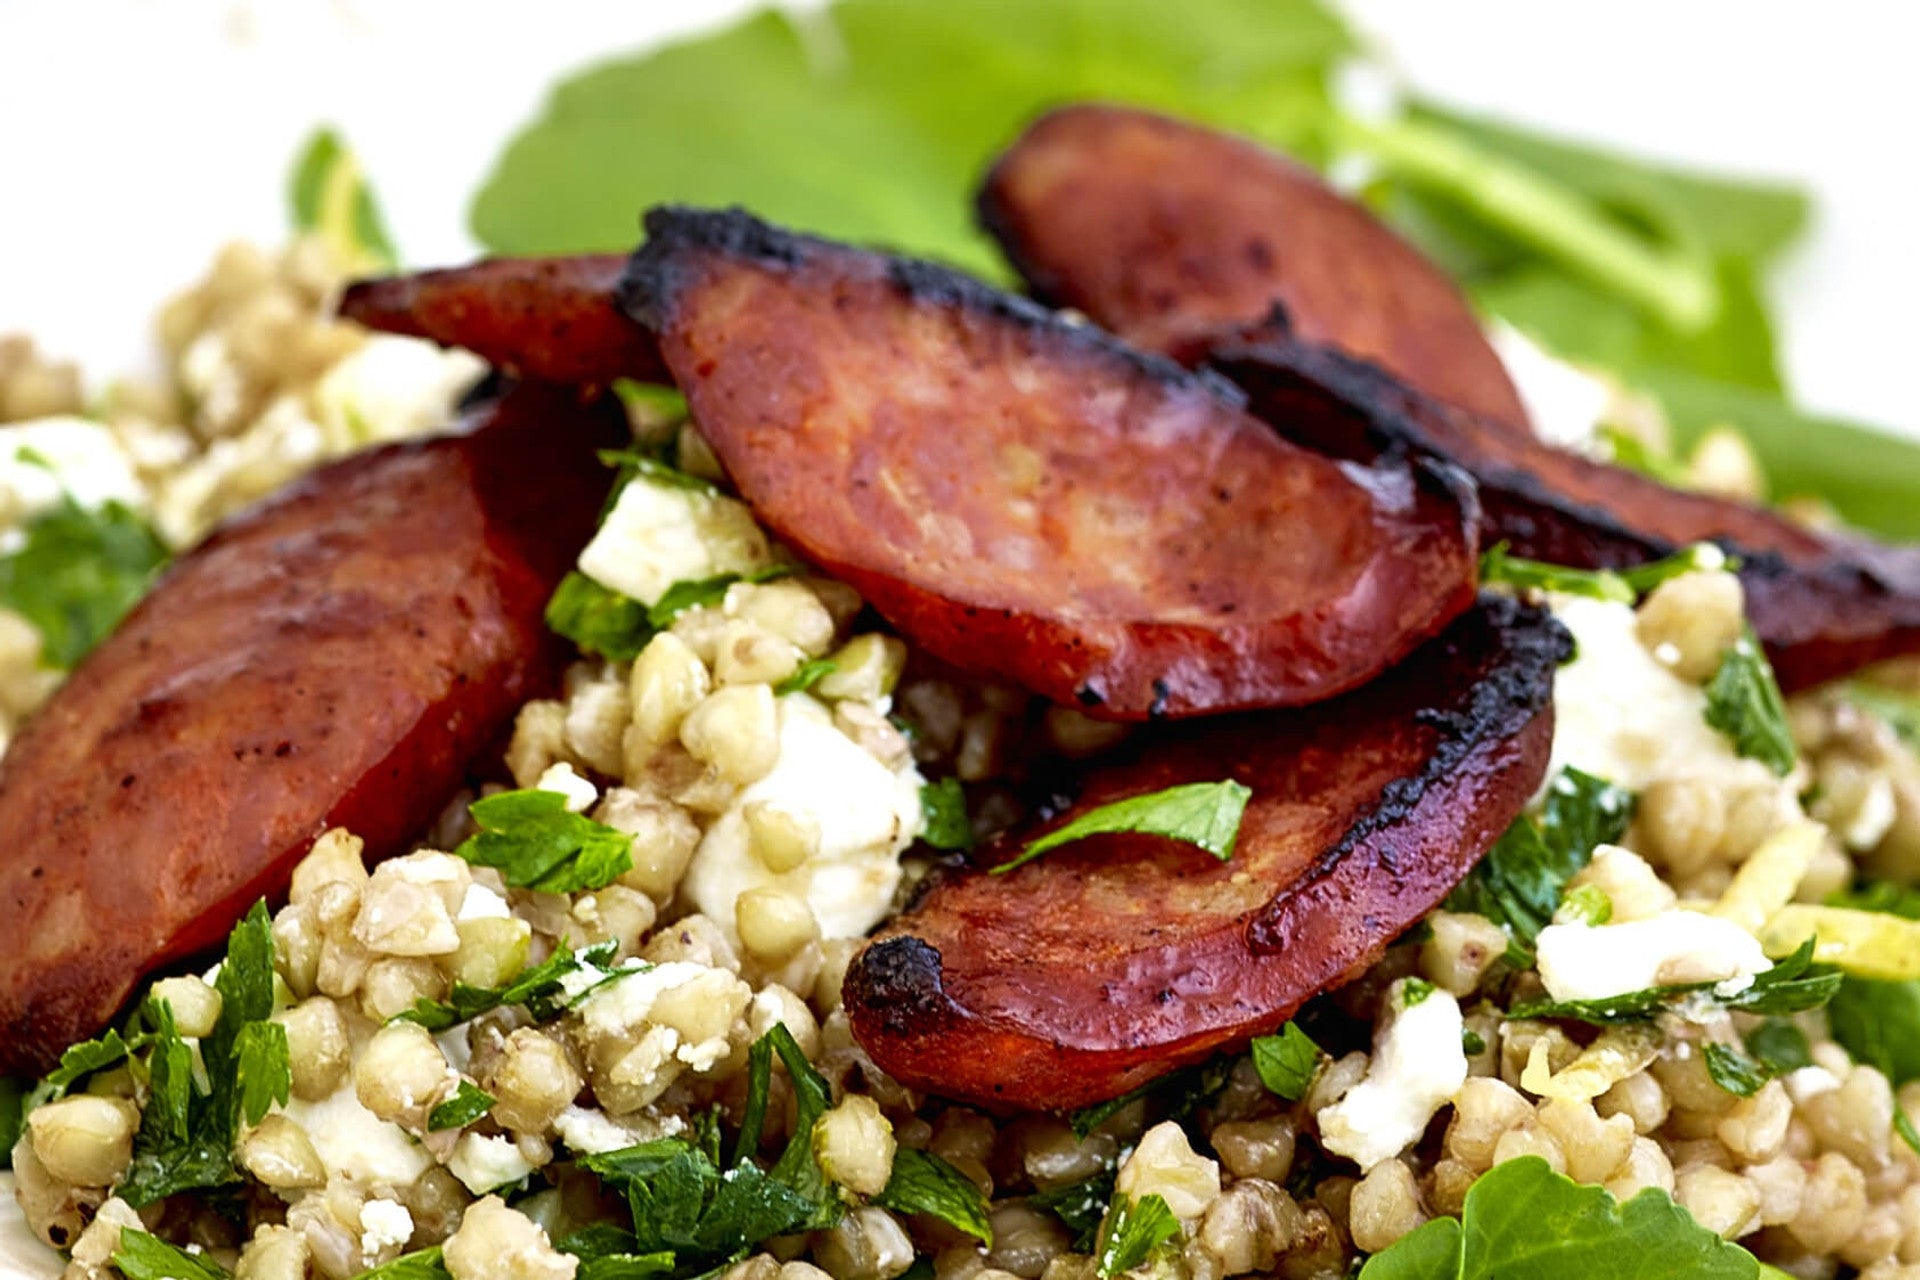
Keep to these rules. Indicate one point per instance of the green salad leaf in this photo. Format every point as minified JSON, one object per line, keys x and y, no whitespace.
{"x":598,"y":619}
{"x":922,"y":1182}
{"x":1133,"y":1230}
{"x":532,"y":839}
{"x":421,"y":1264}
{"x":1520,"y":883}
{"x":1621,"y":586}
{"x":328,"y":195}
{"x":1879,"y":1022}
{"x":1523,"y":1221}
{"x":1206,"y":814}
{"x":1286,"y":1062}
{"x":77,"y":573}
{"x":871,"y":120}
{"x":1744,"y":703}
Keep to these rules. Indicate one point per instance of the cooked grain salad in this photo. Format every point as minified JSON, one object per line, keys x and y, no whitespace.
{"x":592,"y":1026}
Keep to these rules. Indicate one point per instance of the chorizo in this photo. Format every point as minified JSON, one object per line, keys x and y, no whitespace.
{"x":334,"y":657}
{"x":1823,"y":603}
{"x":1171,"y":234}
{"x":1118,"y":958}
{"x":547,"y":318}
{"x":1029,"y":500}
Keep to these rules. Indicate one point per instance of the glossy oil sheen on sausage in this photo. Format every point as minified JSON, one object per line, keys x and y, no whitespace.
{"x":548,"y":318}
{"x":1824,"y":603}
{"x":1115,"y":959}
{"x":1027,"y":499}
{"x":1171,"y":234}
{"x":336,"y":656}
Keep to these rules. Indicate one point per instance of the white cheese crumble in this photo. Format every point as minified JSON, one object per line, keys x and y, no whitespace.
{"x":660,"y":534}
{"x":383,"y":1223}
{"x":1589,"y":962}
{"x":1566,"y":403}
{"x":580,"y":793}
{"x":357,"y":1145}
{"x":486,"y":1164}
{"x":866,"y":814}
{"x":62,"y":455}
{"x":589,"y":1132}
{"x":390,"y":388}
{"x":627,"y":1004}
{"x":1418,"y":1065}
{"x":1622,"y":716}
{"x":482,"y":903}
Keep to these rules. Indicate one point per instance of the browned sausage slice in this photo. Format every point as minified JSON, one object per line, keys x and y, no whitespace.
{"x":1026,"y":498}
{"x":334,"y":657}
{"x":1118,"y":958}
{"x":1824,"y":603}
{"x":1170,"y":234}
{"x":548,"y":318}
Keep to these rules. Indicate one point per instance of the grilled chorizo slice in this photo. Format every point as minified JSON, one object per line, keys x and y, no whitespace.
{"x":1171,"y":234}
{"x":1823,"y":603}
{"x":336,"y":656}
{"x":1029,"y":500}
{"x":548,"y":318}
{"x":1118,"y":958}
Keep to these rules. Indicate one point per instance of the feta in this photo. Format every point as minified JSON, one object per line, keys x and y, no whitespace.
{"x":1622,"y":716}
{"x":482,"y":903}
{"x":486,"y":1164}
{"x":45,"y":457}
{"x":1589,"y":962}
{"x":355,"y":1144}
{"x":866,"y":814}
{"x":580,"y":793}
{"x":1418,"y":1065}
{"x":589,"y":1132}
{"x":391,"y":388}
{"x":383,"y":1223}
{"x":1566,"y":403}
{"x":660,"y":534}
{"x":627,"y":1003}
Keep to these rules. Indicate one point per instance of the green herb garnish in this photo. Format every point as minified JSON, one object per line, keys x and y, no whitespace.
{"x":1206,"y":814}
{"x":943,"y":815}
{"x":1286,"y":1062}
{"x":922,"y":1182}
{"x":1743,"y":702}
{"x":531,"y":838}
{"x":77,"y":573}
{"x":468,"y":1103}
{"x":1131,"y":1233}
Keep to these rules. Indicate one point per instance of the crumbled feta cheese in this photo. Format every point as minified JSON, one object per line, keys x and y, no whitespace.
{"x":588,"y":1132}
{"x":482,"y":903}
{"x":1622,"y":716}
{"x":1594,"y":962}
{"x":391,"y":388}
{"x":660,"y":534}
{"x":46,"y":457}
{"x":1418,"y":1065}
{"x":357,"y":1145}
{"x":628,"y":1003}
{"x":560,"y":777}
{"x":1809,"y":1083}
{"x":1566,"y":403}
{"x":383,"y":1223}
{"x":486,"y":1164}
{"x":866,"y":814}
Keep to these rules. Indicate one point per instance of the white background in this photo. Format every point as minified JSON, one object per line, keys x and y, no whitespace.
{"x":141,"y":133}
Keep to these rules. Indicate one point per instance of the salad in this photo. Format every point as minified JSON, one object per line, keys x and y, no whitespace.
{"x":750,"y":754}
